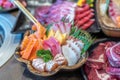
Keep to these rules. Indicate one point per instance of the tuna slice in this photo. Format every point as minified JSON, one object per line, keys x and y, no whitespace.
{"x":53,"y":45}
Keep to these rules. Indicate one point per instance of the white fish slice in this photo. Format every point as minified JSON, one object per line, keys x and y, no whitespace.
{"x":69,"y":55}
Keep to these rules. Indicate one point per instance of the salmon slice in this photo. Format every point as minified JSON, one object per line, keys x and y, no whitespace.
{"x":32,"y":36}
{"x":34,"y":51}
{"x":24,"y":43}
{"x":34,"y":28}
{"x":36,"y":47}
{"x":41,"y":30}
{"x":29,"y":48}
{"x":40,"y":46}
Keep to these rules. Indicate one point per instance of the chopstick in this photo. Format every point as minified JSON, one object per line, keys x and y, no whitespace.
{"x":26,"y":12}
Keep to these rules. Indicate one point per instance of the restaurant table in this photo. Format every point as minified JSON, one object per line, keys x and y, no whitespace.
{"x":14,"y":70}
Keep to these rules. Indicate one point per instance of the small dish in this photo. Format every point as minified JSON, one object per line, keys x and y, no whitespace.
{"x":107,"y":25}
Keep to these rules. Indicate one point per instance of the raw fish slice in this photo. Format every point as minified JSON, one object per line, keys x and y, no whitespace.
{"x":69,"y":55}
{"x":53,"y":45}
{"x":34,"y":51}
{"x":39,"y":64}
{"x":51,"y":66}
{"x":61,"y":27}
{"x":47,"y":44}
{"x":57,"y":45}
{"x":60,"y":59}
{"x":55,"y":27}
{"x":24,"y":43}
{"x":28,"y":49}
{"x":67,"y":27}
{"x":75,"y":47}
{"x":80,"y":43}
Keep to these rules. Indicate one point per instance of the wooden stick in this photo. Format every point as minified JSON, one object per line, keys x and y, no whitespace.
{"x":26,"y":12}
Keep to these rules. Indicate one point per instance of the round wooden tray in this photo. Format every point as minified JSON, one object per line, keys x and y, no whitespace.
{"x":17,"y":56}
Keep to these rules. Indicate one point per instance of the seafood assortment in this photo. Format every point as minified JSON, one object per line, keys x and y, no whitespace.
{"x":73,"y":47}
{"x":56,"y":45}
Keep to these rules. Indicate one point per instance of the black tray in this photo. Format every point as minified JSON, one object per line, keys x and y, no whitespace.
{"x":23,"y":23}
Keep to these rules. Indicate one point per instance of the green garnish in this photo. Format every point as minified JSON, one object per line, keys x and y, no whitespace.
{"x":45,"y":55}
{"x":84,"y":36}
{"x":76,"y":34}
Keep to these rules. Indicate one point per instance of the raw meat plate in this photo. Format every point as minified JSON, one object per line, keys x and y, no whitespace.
{"x":103,"y":61}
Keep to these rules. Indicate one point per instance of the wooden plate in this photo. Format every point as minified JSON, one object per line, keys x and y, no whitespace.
{"x":17,"y":55}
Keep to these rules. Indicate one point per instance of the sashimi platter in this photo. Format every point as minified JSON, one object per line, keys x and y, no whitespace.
{"x":61,"y":42}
